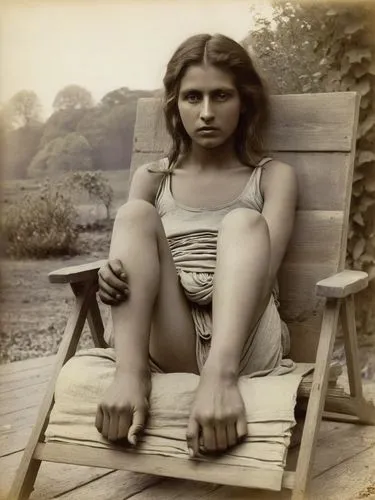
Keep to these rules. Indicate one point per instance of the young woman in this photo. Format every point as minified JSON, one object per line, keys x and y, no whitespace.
{"x":196,"y":249}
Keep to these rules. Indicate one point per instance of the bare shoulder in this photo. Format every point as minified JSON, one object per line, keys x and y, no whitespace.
{"x":145,"y":182}
{"x":280,"y":176}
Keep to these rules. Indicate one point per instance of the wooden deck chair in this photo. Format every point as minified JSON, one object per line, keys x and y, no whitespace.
{"x":316,"y":134}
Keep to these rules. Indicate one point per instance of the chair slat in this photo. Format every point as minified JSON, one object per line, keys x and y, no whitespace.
{"x":301,"y":122}
{"x":322,"y":177}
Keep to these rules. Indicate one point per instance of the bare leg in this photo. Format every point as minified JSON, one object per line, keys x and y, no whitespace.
{"x":156,"y":307}
{"x":242,"y":274}
{"x":157,"y":303}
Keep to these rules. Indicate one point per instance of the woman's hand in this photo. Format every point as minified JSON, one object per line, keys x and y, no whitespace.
{"x":218,"y":415}
{"x":122,"y":413}
{"x":113,"y":284}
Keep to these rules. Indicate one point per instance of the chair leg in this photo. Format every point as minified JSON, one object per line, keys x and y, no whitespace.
{"x":94,"y":319}
{"x":317,"y":398}
{"x":28,"y":469}
{"x":364,"y":410}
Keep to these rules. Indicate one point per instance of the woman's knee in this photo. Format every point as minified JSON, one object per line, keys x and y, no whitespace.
{"x":139,"y":213}
{"x":243,"y":219}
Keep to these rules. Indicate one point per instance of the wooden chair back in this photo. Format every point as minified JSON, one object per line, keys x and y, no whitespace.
{"x":315,"y":133}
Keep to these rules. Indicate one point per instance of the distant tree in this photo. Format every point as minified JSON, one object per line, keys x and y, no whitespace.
{"x":61,"y":123}
{"x":124,"y":95}
{"x":63,"y":154}
{"x":73,"y":97}
{"x":23,"y":109}
{"x":19,"y":147}
{"x":109,"y":129}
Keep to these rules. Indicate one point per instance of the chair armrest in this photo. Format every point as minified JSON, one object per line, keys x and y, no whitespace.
{"x":75,"y":274}
{"x":342,"y":284}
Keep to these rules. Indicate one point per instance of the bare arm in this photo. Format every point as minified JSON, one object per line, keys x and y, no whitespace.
{"x":280,"y":189}
{"x":144,"y":185}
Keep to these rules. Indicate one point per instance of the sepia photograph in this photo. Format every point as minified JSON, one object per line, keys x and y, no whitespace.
{"x":187,"y":273}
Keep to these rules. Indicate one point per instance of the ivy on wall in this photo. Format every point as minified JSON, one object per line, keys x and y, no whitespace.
{"x":314,"y":48}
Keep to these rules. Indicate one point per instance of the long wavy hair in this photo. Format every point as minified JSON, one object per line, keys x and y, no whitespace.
{"x":226,"y":54}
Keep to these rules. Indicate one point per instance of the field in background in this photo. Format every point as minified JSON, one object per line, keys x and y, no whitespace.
{"x":13,"y":190}
{"x":34,"y":312}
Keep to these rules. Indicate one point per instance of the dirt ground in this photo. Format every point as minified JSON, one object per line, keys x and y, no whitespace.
{"x":33,"y":311}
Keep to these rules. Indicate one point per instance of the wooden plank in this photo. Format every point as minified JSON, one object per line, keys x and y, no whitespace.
{"x":323,"y":178}
{"x":160,"y":465}
{"x":317,"y":237}
{"x":342,"y":284}
{"x":25,"y":365}
{"x":300,"y":307}
{"x":177,"y":489}
{"x":317,"y":396}
{"x":20,"y":399}
{"x":118,"y":484}
{"x":75,"y":274}
{"x":53,"y":479}
{"x":41,"y":377}
{"x":23,"y":375}
{"x":15,"y":440}
{"x":306,"y":122}
{"x":313,"y":122}
{"x":348,"y":480}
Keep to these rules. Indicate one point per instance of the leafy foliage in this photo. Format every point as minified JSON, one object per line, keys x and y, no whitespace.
{"x":309,"y":47}
{"x":18,"y":147}
{"x":63,"y":154}
{"x":23,"y":109}
{"x":61,"y":123}
{"x":42,"y":224}
{"x":94,"y":183}
{"x":73,"y":97}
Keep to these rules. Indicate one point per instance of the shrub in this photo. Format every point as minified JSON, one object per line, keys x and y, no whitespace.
{"x":94,"y":184}
{"x":42,"y":224}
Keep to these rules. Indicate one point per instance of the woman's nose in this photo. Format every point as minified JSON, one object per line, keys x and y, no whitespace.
{"x":206,"y":110}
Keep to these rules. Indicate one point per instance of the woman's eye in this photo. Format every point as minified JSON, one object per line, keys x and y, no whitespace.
{"x":222,"y":96}
{"x":192,"y":98}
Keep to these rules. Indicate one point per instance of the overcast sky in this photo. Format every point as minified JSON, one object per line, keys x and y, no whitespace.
{"x":46,"y":45}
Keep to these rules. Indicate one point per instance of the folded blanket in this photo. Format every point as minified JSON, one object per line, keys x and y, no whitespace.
{"x":269,"y":403}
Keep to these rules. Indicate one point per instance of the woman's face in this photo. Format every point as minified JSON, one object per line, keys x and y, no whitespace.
{"x":209,"y":105}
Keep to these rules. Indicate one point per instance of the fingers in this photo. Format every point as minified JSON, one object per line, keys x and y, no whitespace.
{"x":115,"y":281}
{"x":112,"y":280}
{"x":123,"y":426}
{"x":241,"y":427}
{"x":231,"y":434}
{"x":209,"y":438}
{"x":99,"y":419}
{"x":110,"y":295}
{"x":137,"y":426}
{"x":221,"y":437}
{"x":113,"y":427}
{"x":117,"y":268}
{"x":218,"y":436}
{"x":192,"y":437}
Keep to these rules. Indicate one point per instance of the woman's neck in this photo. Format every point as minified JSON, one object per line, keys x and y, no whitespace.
{"x":221,"y":157}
